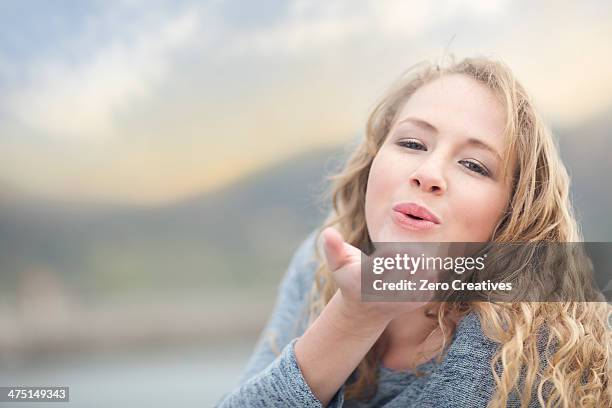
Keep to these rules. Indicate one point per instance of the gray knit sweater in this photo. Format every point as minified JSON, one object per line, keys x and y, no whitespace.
{"x":273,"y":379}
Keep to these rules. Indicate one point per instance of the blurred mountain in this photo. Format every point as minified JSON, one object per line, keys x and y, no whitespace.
{"x":240,"y":236}
{"x":586,"y":150}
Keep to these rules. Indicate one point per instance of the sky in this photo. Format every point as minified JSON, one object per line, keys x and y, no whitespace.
{"x":150,"y":102}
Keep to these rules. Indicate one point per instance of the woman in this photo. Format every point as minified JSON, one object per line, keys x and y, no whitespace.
{"x":463,"y":142}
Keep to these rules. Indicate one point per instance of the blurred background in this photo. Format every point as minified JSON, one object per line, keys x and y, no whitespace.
{"x":160,"y":161}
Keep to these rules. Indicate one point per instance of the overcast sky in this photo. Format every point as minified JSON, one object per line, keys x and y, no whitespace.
{"x":149,"y":102}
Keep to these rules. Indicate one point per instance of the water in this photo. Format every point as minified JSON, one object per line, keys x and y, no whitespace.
{"x":178,"y":377}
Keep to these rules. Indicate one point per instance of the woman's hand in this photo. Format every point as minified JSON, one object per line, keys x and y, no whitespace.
{"x":335,"y":343}
{"x":344,"y":260}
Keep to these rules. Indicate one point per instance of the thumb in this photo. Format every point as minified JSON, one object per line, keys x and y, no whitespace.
{"x":338,"y":252}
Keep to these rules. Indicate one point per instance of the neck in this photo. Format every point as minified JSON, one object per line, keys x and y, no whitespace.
{"x":411,"y":328}
{"x":412,"y":338}
{"x":414,"y":328}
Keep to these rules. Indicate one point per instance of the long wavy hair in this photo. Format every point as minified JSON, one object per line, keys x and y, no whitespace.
{"x":576,"y":368}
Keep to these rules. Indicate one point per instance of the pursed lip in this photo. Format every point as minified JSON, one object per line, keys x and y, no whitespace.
{"x":416,"y":210}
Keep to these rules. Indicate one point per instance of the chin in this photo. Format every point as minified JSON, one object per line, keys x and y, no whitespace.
{"x":392,"y":233}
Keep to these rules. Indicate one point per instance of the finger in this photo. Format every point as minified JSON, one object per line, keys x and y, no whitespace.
{"x":338,"y":252}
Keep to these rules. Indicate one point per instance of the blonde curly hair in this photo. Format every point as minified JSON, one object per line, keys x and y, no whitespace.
{"x":576,"y":369}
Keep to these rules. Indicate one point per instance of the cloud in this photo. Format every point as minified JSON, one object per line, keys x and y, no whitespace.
{"x":307,"y":27}
{"x":316,"y":26}
{"x":82,"y":100}
{"x":186,"y":102}
{"x":405,"y":20}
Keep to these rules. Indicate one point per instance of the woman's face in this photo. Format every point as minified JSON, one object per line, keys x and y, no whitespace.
{"x":443,"y":153}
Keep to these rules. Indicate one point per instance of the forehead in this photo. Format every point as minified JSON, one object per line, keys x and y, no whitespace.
{"x":458,"y":105}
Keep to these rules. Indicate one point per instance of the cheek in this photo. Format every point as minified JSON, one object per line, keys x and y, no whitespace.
{"x":380,"y":185}
{"x":479,"y":212}
{"x":377,"y":182}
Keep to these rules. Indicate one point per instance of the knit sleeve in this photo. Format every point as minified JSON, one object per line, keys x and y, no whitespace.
{"x":272,"y":377}
{"x":464,"y":378}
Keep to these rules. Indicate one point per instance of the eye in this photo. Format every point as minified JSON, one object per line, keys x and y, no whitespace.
{"x":476,"y":168}
{"x":412,"y":144}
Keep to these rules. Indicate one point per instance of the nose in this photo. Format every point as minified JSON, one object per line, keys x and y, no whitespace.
{"x":429,"y":177}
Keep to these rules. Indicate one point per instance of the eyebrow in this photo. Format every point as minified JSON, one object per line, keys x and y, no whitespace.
{"x":431,"y":128}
